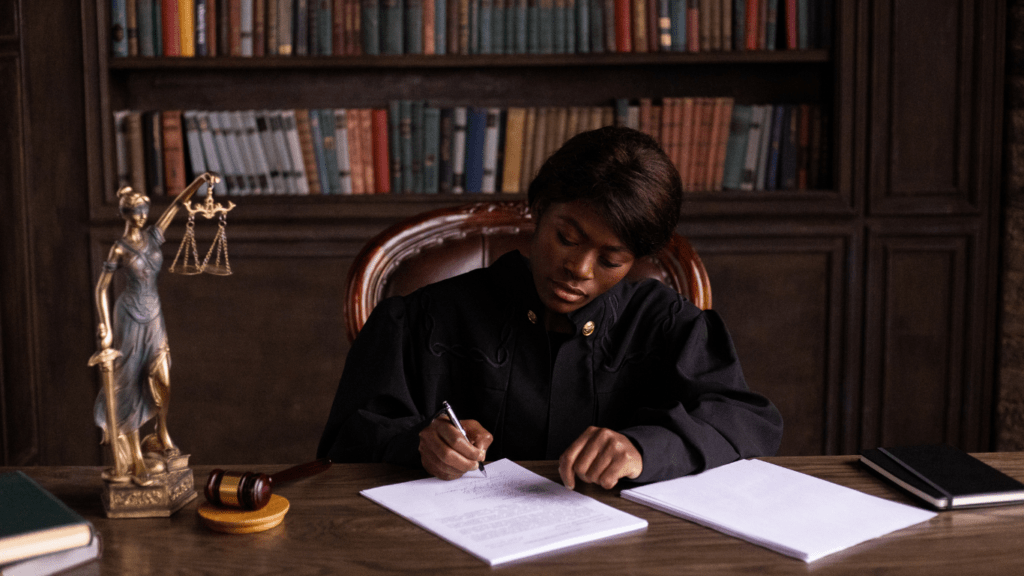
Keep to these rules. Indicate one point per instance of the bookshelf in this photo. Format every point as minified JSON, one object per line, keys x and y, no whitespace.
{"x":866,"y":310}
{"x":810,"y":76}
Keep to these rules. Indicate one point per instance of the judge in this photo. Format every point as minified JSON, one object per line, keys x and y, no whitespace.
{"x":555,"y":355}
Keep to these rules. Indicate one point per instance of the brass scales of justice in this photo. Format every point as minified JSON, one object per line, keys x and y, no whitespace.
{"x":150,"y":476}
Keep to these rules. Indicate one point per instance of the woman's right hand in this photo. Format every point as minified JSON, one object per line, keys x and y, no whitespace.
{"x":106,"y":338}
{"x":446,"y":454}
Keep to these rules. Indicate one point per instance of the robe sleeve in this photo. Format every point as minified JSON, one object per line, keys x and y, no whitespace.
{"x":703,"y":414}
{"x":374,"y":417}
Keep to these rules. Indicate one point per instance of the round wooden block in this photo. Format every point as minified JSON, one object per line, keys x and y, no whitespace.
{"x":237,"y":521}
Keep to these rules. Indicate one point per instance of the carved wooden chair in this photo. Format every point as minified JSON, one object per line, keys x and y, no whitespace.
{"x":445,"y":242}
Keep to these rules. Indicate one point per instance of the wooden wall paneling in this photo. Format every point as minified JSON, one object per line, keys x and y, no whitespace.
{"x":787,"y":296}
{"x":18,"y":422}
{"x":925,"y":360}
{"x":256,"y":356}
{"x":60,"y":334}
{"x":923,"y":103}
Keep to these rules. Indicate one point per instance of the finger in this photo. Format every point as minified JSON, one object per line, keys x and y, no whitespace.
{"x":600,"y":455}
{"x":479,"y":436}
{"x":567,"y":461}
{"x":617,"y":468}
{"x":453,"y":438}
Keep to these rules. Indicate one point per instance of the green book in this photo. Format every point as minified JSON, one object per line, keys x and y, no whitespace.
{"x":34,"y":522}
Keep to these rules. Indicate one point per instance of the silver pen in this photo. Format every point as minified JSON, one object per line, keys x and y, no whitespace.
{"x":446,"y":408}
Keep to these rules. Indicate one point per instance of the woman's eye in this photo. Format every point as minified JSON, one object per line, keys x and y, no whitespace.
{"x":609,"y":264}
{"x":564,"y":240}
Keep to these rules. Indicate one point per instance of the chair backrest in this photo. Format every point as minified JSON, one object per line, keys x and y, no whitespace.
{"x":446,"y":242}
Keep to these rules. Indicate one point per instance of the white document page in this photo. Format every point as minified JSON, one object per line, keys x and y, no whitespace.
{"x":510,"y":514}
{"x":775,"y":507}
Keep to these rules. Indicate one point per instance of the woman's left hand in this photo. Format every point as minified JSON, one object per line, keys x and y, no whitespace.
{"x":600,"y":456}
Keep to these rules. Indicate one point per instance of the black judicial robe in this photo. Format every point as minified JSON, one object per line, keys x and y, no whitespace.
{"x":643,"y":361}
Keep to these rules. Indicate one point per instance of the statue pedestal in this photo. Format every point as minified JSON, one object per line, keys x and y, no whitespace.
{"x":169,"y":492}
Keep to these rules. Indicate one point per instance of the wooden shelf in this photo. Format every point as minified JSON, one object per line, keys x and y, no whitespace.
{"x":471,"y":61}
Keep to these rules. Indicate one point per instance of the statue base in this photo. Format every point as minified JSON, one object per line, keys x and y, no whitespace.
{"x":170,"y":490}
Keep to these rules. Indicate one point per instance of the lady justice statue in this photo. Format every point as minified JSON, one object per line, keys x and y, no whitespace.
{"x":150,"y":477}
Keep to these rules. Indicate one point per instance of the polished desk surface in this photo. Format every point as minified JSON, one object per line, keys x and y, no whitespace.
{"x":331,"y":529}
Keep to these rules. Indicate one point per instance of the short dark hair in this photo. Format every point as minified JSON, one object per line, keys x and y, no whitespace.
{"x":624,"y":175}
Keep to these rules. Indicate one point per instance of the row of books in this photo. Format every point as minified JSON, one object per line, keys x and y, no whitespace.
{"x":372,"y":27}
{"x":412,"y":147}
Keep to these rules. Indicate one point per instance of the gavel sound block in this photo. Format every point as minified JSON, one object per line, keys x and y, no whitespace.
{"x":242,"y":503}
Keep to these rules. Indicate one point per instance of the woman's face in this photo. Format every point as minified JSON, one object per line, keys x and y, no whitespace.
{"x":138,"y":214}
{"x":575,"y":257}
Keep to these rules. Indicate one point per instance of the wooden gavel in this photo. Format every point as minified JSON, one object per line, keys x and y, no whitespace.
{"x":251,"y":490}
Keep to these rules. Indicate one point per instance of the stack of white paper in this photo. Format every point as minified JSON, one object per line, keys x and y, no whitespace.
{"x":785,"y":511}
{"x":510,"y":514}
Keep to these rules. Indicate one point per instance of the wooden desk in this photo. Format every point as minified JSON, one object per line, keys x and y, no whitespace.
{"x":331,"y":529}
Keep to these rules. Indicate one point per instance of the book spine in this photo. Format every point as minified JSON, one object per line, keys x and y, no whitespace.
{"x":764,"y":146}
{"x":257,"y":152}
{"x":186,"y":28}
{"x":145,"y":22}
{"x":355,"y":151}
{"x":460,"y":114}
{"x":775,"y":148}
{"x":245,"y":32}
{"x":441,"y":27}
{"x":623,"y":25}
{"x":365,"y":116}
{"x":790,"y":20}
{"x":395,"y":144}
{"x":381,"y":148}
{"x":476,"y":128}
{"x":726,"y":25}
{"x":342,"y":150}
{"x":169,"y":29}
{"x":296,"y":159}
{"x":405,"y":148}
{"x":119,"y":28}
{"x":392,"y":19}
{"x":173,"y":151}
{"x":324,"y":30}
{"x":319,"y":152}
{"x":289,"y":175}
{"x":429,"y":36}
{"x":327,"y":134}
{"x":259,"y":28}
{"x":268,"y":150}
{"x":724,"y":122}
{"x":512,"y":172}
{"x":152,"y":135}
{"x":788,"y":153}
{"x":526,"y":168}
{"x":413,"y":32}
{"x":771,"y":25}
{"x":211,"y":155}
{"x":492,"y":118}
{"x":749,"y":174}
{"x":416,"y":135}
{"x":238,"y":145}
{"x":202,"y":37}
{"x":302,"y":125}
{"x":598,"y":20}
{"x":445,"y":160}
{"x":192,"y":141}
{"x":370,"y":22}
{"x":131,"y":30}
{"x":431,"y":148}
{"x":739,"y":131}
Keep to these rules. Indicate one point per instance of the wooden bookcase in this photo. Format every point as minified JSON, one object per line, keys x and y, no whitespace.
{"x":865,"y":311}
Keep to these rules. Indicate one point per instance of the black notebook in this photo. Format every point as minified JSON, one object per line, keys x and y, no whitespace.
{"x":944,"y":477}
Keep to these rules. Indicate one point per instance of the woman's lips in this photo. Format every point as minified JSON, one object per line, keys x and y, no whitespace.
{"x":566,"y":292}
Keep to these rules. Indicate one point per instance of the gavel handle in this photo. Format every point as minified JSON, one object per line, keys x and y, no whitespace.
{"x":300,"y":471}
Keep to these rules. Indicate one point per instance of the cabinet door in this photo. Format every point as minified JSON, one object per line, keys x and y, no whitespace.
{"x":786,"y":296}
{"x":932,"y":104}
{"x":927,"y":361}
